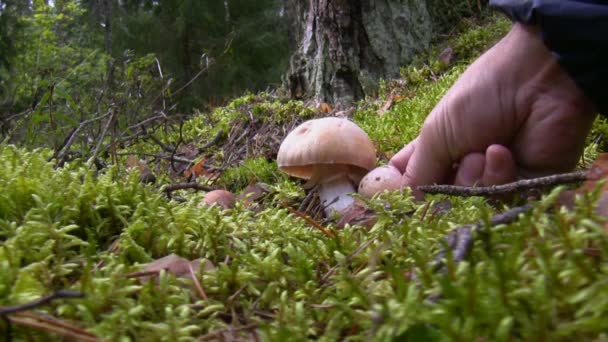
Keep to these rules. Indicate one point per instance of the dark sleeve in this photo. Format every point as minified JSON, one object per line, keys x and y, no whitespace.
{"x":577,"y":33}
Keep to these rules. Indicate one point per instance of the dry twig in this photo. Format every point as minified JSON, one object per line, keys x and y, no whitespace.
{"x":7,"y":310}
{"x":181,"y":186}
{"x":509,"y":188}
{"x":311,"y":222}
{"x":460,"y":240}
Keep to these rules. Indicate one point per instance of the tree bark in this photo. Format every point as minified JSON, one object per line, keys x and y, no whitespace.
{"x":344,"y":47}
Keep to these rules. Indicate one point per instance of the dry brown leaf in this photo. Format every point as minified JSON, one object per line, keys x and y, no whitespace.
{"x":174,"y":264}
{"x":252,"y":193}
{"x":146,"y":175}
{"x":197,"y":170}
{"x":324,"y":108}
{"x":386,"y":106}
{"x":357,"y":214}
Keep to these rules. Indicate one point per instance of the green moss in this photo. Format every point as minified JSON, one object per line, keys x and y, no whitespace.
{"x":467,"y":42}
{"x":251,"y":171}
{"x":391,"y":130}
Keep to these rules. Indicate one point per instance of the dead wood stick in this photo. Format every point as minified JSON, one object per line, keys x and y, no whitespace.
{"x":509,"y":188}
{"x":157,"y":156}
{"x":57,"y":329}
{"x":70,"y":139}
{"x":218,"y":137}
{"x":460,"y":240}
{"x":6,"y":310}
{"x":181,"y":186}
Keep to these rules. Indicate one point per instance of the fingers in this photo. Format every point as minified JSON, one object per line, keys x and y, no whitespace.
{"x":471,"y":169}
{"x":431,"y":161}
{"x":495,"y":167}
{"x":402,"y":157}
{"x":499,"y":167}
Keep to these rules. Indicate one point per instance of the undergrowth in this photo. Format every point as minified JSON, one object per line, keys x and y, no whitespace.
{"x":276,"y":275}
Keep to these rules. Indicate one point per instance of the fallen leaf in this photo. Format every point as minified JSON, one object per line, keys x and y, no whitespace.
{"x":323,"y":107}
{"x":145,"y":174}
{"x":387,"y":105}
{"x":252,"y":193}
{"x":357,"y":214}
{"x":174,"y":264}
{"x":197,"y":170}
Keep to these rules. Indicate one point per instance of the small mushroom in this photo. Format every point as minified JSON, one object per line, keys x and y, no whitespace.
{"x":223,"y":198}
{"x":333,"y":153}
{"x":382,"y":178}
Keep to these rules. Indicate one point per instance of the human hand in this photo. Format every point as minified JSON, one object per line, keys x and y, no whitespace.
{"x":513,"y":113}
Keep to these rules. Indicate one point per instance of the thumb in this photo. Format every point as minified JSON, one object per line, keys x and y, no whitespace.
{"x":431,"y":161}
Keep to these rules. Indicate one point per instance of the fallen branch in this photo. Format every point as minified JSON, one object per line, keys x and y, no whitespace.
{"x":218,"y":137}
{"x":53,"y":327}
{"x":61,"y":152}
{"x":157,"y":156}
{"x":509,"y":188}
{"x":311,"y":222}
{"x":218,"y":334}
{"x":460,"y":240}
{"x":43,"y":318}
{"x":106,"y":127}
{"x":16,"y":309}
{"x":181,"y":186}
{"x":7,"y":310}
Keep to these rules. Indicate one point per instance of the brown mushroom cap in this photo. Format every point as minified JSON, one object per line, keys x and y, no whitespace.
{"x":321,"y":147}
{"x":382,"y":178}
{"x":223,"y":198}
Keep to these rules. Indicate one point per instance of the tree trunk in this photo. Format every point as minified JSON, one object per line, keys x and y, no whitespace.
{"x":344,"y":47}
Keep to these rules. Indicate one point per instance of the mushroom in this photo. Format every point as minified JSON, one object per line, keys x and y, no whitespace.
{"x":223,"y":198}
{"x":382,"y":178}
{"x":333,"y":153}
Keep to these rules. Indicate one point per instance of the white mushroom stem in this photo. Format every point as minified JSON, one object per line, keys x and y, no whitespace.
{"x":334,"y":195}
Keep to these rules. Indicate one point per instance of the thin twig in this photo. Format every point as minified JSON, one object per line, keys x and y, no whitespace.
{"x":6,"y":310}
{"x":54,"y":321}
{"x":52,"y":328}
{"x":103,"y":134}
{"x":181,"y":186}
{"x":157,"y":156}
{"x":70,"y":140}
{"x":147,"y":120}
{"x":460,"y":240}
{"x":311,"y":222}
{"x":197,"y":284}
{"x":165,"y":147}
{"x":349,"y":258}
{"x":216,"y":335}
{"x":218,"y":137}
{"x":509,"y":188}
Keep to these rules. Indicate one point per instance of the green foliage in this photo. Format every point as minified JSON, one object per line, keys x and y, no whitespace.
{"x":447,"y":13}
{"x":469,"y":41}
{"x":251,"y":171}
{"x":241,"y":45}
{"x":56,"y":83}
{"x":402,"y":122}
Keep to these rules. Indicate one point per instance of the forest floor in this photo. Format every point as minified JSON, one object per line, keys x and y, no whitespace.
{"x":124,"y":251}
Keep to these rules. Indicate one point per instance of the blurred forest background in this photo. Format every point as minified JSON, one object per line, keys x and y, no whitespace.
{"x":93,"y":66}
